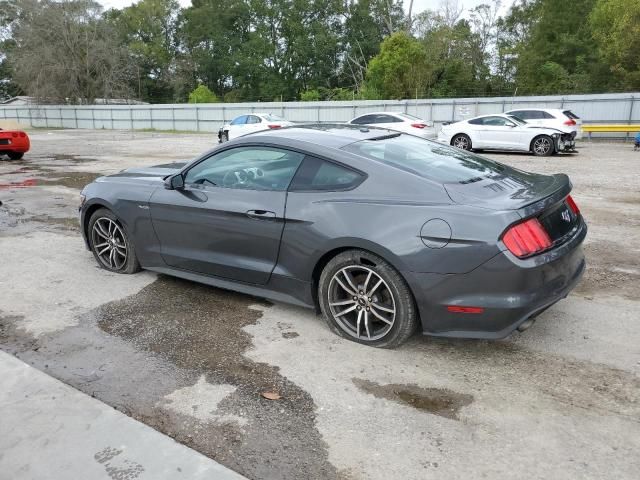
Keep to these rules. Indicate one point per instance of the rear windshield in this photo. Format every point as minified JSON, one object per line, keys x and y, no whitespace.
{"x":571,"y":115}
{"x":427,"y":159}
{"x":270,"y":117}
{"x":408,"y":116}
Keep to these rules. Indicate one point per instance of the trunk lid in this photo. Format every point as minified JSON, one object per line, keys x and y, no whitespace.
{"x":511,"y":190}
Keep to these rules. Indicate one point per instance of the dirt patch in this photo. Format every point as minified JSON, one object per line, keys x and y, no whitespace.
{"x":611,"y":268}
{"x":438,"y":401}
{"x":71,"y":224}
{"x":199,"y":328}
{"x":77,"y":180}
{"x":11,"y":335}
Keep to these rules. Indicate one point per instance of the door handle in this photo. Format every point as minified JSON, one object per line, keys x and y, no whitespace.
{"x":261,"y":214}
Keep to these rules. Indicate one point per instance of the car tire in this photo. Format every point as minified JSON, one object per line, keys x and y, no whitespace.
{"x":225,"y":137}
{"x":542,"y":146}
{"x":382,"y":300}
{"x":15,"y":155}
{"x":110,"y":243}
{"x":461,"y":141}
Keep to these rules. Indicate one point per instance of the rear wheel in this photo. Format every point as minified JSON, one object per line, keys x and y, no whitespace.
{"x":363,"y":298}
{"x":542,"y":146}
{"x":110,"y":244}
{"x":461,"y":141}
{"x":15,"y":155}
{"x":225,"y":137}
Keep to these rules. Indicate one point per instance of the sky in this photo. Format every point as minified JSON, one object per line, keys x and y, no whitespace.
{"x":418,"y":5}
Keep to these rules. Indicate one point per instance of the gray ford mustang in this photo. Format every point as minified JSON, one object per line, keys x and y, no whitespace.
{"x":380,"y":231}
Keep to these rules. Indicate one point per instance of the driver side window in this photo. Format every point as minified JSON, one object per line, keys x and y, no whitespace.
{"x":250,"y":168}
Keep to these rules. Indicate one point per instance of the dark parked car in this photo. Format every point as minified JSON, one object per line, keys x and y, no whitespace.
{"x":381,"y":231}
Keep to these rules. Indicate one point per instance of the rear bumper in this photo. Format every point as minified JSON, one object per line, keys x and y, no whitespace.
{"x":509,"y":290}
{"x":19,"y":145}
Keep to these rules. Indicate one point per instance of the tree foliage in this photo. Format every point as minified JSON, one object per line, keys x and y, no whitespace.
{"x":264,"y":50}
{"x":202,"y":94}
{"x":64,"y":52}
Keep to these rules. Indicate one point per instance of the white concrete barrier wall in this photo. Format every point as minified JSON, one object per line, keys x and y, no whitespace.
{"x":602,"y":108}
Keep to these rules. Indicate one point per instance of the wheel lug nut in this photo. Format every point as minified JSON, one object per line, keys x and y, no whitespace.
{"x":368,"y":309}
{"x":360,"y":292}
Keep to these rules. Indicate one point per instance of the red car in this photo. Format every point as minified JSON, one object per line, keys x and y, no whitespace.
{"x":14,"y":143}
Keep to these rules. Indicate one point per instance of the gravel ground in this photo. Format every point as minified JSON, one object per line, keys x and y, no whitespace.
{"x":561,"y":400}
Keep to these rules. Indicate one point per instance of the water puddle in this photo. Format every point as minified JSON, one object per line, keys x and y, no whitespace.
{"x":437,"y":401}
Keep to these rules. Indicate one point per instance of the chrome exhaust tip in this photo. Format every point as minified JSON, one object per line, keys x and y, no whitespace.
{"x":526,"y":324}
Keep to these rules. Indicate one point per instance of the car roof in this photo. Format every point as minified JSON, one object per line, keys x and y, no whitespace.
{"x":379,"y":113}
{"x":538,"y":109}
{"x":328,"y":135}
{"x":485,"y":116}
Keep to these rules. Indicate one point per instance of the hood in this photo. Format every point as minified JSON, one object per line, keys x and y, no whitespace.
{"x":155,"y":171}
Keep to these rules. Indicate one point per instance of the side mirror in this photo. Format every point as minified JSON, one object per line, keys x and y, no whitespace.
{"x":174,"y":182}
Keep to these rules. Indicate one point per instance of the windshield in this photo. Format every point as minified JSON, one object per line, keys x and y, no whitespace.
{"x":517,"y":119}
{"x":427,"y":159}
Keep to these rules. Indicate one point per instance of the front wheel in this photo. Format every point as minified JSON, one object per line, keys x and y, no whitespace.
{"x":363,"y":298}
{"x":461,"y":141}
{"x":542,"y":146}
{"x":110,"y":244}
{"x":224,"y":137}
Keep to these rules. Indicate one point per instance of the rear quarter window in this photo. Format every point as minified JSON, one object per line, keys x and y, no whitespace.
{"x":316,"y":174}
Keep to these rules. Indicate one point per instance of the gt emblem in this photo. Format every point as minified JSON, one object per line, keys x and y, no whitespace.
{"x":565,"y":216}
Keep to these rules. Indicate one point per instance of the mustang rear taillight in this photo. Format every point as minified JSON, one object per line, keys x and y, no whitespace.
{"x":22,"y":134}
{"x":526,"y":238}
{"x":275,"y":126}
{"x":418,"y":125}
{"x":14,"y":134}
{"x":572,"y":205}
{"x":570,"y":122}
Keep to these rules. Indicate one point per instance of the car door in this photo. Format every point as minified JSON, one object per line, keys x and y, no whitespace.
{"x":237,"y":126}
{"x":227,"y":221}
{"x":254,"y":124}
{"x":500,"y":133}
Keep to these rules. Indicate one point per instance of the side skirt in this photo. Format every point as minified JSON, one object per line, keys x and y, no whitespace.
{"x":277,"y":294}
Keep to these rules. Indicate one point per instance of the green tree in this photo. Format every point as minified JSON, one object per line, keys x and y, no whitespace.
{"x":556,"y":52}
{"x":400,"y":69}
{"x":148,"y":29}
{"x":65,"y":52}
{"x":310,"y":95}
{"x":366,"y":24}
{"x":202,"y":94}
{"x":616,"y":29}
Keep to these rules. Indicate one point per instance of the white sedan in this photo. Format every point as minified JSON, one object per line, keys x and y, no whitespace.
{"x":250,"y":123}
{"x":398,"y":121}
{"x":506,"y":132}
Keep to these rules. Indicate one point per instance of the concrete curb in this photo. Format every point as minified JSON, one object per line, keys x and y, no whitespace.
{"x":49,"y":430}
